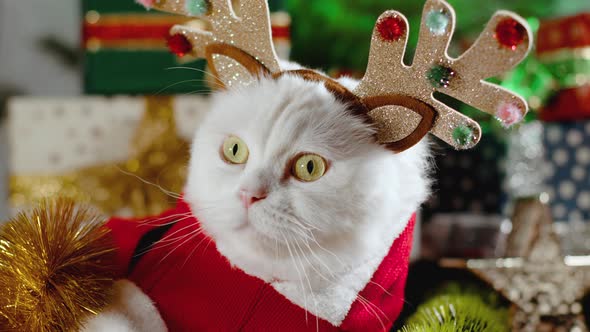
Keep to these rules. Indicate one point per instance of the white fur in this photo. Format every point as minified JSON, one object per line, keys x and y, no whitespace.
{"x":339,"y":228}
{"x":131,"y":311}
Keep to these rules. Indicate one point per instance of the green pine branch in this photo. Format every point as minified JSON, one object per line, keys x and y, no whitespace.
{"x":456,"y":309}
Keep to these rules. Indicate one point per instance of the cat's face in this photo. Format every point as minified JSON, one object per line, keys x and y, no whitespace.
{"x":283,"y":161}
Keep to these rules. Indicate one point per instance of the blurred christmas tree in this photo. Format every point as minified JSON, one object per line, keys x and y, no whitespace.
{"x":335,"y":33}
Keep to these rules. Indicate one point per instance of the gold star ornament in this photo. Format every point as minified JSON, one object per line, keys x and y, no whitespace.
{"x":544,"y":286}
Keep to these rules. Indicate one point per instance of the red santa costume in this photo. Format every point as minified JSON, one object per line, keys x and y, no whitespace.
{"x":199,"y":290}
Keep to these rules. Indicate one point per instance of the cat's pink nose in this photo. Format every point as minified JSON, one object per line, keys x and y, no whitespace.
{"x":249,"y":198}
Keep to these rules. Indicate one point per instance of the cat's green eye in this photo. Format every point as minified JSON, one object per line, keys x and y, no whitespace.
{"x":309,"y":167}
{"x":234,"y":150}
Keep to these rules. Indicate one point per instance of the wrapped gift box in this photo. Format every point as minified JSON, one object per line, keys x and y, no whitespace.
{"x":563,"y":33}
{"x":568,"y":104}
{"x":126,"y":52}
{"x":115,"y":153}
{"x":464,"y":235}
{"x":5,"y":92}
{"x":567,"y":153}
{"x":3,"y":169}
{"x":468,"y":181}
{"x":563,"y":46}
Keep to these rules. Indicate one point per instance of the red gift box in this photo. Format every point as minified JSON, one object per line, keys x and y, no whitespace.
{"x":568,"y":105}
{"x":564,"y":33}
{"x":563,"y":46}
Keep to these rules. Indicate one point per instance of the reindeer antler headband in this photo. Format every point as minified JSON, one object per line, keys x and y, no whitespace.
{"x":399,"y":99}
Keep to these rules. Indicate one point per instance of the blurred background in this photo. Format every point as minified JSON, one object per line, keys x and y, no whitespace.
{"x":90,"y":95}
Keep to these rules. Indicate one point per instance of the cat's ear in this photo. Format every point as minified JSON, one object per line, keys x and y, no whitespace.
{"x":237,"y":41}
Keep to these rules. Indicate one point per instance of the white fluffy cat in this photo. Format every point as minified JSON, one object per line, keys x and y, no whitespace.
{"x":319,"y":242}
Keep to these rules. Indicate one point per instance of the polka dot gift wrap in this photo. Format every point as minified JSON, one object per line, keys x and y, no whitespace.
{"x":469,"y":181}
{"x":567,"y":153}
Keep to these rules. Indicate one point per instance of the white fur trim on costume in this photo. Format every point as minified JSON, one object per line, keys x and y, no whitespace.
{"x":109,"y":321}
{"x":131,"y":311}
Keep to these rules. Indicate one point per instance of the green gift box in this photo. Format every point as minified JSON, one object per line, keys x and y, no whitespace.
{"x":126,"y":52}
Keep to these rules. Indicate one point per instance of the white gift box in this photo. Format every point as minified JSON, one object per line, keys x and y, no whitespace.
{"x":3,"y":171}
{"x":49,"y":136}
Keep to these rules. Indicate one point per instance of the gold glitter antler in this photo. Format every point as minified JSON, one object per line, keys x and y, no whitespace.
{"x":402,"y":99}
{"x":239,"y":44}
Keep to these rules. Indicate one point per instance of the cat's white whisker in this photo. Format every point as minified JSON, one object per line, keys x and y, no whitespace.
{"x":168,"y":237}
{"x":194,"y":249}
{"x":171,"y":241}
{"x":326,"y":267}
{"x":178,"y":83}
{"x":276,"y":260}
{"x":197,"y":93}
{"x":173,"y":218}
{"x":178,"y":246}
{"x":298,"y":274}
{"x":168,"y":243}
{"x":368,"y":304}
{"x":179,"y":238}
{"x":327,"y":251}
{"x":373,"y":305}
{"x":290,"y":218}
{"x":313,"y":297}
{"x":210,"y":74}
{"x":308,"y":225}
{"x":167,"y":192}
{"x":208,"y":244}
{"x":301,"y":230}
{"x":369,"y":307}
{"x":382,"y":288}
{"x":307,"y":237}
{"x":157,"y":221}
{"x":300,"y":226}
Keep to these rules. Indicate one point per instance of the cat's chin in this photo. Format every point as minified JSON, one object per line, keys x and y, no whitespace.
{"x":251,"y":250}
{"x":249,"y":233}
{"x":248,"y":250}
{"x":243,"y":236}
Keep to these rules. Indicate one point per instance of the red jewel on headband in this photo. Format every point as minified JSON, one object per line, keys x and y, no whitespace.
{"x":510,"y":33}
{"x":391,"y":28}
{"x":179,"y":44}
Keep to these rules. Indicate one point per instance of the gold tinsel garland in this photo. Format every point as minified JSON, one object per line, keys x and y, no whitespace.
{"x":157,"y":164}
{"x":56,"y":268}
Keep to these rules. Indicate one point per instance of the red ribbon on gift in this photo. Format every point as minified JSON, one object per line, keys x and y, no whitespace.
{"x":568,"y":105}
{"x":139,"y":31}
{"x":563,"y":46}
{"x":564,"y":33}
